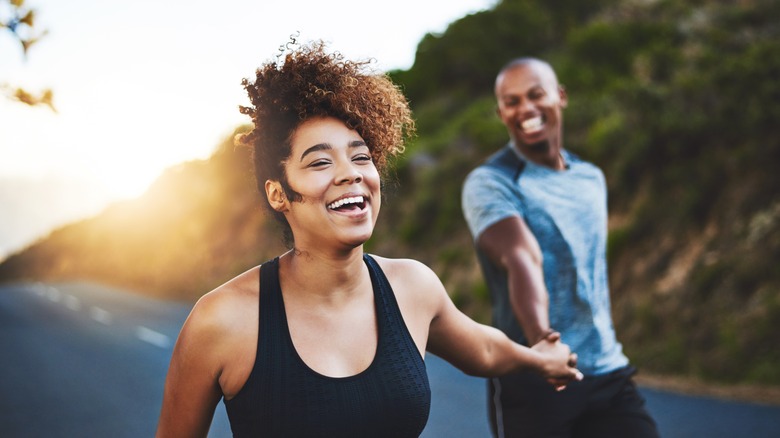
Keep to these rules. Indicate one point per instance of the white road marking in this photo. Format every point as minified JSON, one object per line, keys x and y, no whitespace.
{"x":39,"y":289}
{"x":152,"y":337}
{"x":72,"y":303}
{"x":100,"y":315}
{"x":53,"y":294}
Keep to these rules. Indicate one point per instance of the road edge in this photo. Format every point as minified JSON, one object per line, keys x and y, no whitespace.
{"x":758,"y":394}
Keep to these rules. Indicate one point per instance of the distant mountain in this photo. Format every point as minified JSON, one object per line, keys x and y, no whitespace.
{"x":198,"y":225}
{"x":33,"y":206}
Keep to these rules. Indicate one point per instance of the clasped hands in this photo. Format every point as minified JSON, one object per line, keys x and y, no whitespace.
{"x":561,"y":370}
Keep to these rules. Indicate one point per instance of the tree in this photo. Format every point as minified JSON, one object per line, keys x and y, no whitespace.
{"x":19,"y":20}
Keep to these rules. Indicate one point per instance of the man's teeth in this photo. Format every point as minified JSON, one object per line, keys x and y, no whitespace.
{"x":340,"y":202}
{"x":532,"y":124}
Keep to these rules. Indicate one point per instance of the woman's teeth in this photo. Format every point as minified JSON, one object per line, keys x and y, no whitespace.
{"x":344,"y":201}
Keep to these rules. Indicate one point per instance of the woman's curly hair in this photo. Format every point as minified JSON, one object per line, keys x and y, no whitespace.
{"x":312,"y":83}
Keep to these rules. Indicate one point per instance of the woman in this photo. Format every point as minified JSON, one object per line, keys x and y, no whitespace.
{"x":326,"y":340}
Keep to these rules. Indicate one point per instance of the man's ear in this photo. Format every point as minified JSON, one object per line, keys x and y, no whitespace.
{"x":563,"y":96}
{"x":275,"y":195}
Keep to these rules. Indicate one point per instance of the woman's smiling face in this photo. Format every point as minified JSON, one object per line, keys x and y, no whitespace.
{"x":330,"y":167}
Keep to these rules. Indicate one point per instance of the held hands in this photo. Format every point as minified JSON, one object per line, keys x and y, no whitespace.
{"x":559,"y":362}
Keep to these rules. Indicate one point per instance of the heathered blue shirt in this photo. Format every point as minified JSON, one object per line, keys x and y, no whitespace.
{"x":567,"y":213}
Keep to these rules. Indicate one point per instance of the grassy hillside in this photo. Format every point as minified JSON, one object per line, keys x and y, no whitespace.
{"x":676,"y":100}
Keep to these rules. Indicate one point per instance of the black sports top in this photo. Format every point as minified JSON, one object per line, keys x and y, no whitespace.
{"x":283,"y":397}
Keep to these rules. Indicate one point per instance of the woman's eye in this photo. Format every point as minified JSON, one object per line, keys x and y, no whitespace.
{"x":362,"y":158}
{"x":319,"y":163}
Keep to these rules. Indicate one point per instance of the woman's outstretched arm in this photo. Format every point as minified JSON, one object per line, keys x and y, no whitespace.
{"x":481,"y":350}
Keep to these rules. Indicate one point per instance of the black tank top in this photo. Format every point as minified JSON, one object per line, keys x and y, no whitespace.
{"x":283,"y":397}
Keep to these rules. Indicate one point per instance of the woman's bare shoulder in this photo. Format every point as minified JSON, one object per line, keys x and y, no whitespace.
{"x":213,"y":342}
{"x":399,"y":266}
{"x":229,"y":305}
{"x":412,"y":276}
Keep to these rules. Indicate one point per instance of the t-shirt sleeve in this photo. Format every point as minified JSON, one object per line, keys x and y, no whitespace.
{"x":486,"y":199}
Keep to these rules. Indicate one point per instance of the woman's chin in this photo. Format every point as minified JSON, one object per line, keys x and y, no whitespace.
{"x":357,"y":240}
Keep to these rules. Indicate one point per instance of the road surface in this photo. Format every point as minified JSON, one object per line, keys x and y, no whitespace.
{"x":82,"y":360}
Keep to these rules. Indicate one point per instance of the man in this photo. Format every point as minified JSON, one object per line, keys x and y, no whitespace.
{"x":538,"y":215}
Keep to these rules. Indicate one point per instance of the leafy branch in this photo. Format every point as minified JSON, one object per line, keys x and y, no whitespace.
{"x":19,"y":20}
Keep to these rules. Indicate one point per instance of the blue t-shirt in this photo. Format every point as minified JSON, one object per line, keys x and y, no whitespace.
{"x":567,"y":213}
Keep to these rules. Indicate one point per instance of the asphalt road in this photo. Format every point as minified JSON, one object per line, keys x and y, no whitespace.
{"x":80,"y":360}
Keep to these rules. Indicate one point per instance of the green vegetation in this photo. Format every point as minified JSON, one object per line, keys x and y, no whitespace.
{"x":676,"y":100}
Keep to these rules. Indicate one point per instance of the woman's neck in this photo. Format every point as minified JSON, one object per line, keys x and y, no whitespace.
{"x":323,"y":276}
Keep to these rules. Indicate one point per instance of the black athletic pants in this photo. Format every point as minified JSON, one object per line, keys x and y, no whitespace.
{"x":525,"y":405}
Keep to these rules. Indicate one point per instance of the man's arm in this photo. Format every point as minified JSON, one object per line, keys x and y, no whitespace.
{"x":511,"y":245}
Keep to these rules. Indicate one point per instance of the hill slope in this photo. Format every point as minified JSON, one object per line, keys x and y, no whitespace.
{"x":676,"y":101}
{"x":198,"y":225}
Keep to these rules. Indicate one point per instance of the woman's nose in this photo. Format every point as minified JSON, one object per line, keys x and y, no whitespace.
{"x":349,"y":175}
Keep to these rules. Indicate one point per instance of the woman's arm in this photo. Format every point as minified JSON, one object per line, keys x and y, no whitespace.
{"x":481,"y":350}
{"x":192,"y":388}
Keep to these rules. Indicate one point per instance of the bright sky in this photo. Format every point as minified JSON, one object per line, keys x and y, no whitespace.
{"x":141,"y":85}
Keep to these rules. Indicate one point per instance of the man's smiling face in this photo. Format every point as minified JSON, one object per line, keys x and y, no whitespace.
{"x":530,"y":104}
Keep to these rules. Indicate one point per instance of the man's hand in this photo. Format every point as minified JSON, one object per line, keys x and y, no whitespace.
{"x":560,"y":363}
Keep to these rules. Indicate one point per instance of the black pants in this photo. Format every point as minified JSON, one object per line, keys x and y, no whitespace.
{"x":524,"y":405}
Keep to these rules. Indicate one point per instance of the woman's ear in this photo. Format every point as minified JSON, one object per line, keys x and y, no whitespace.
{"x":276,"y":196}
